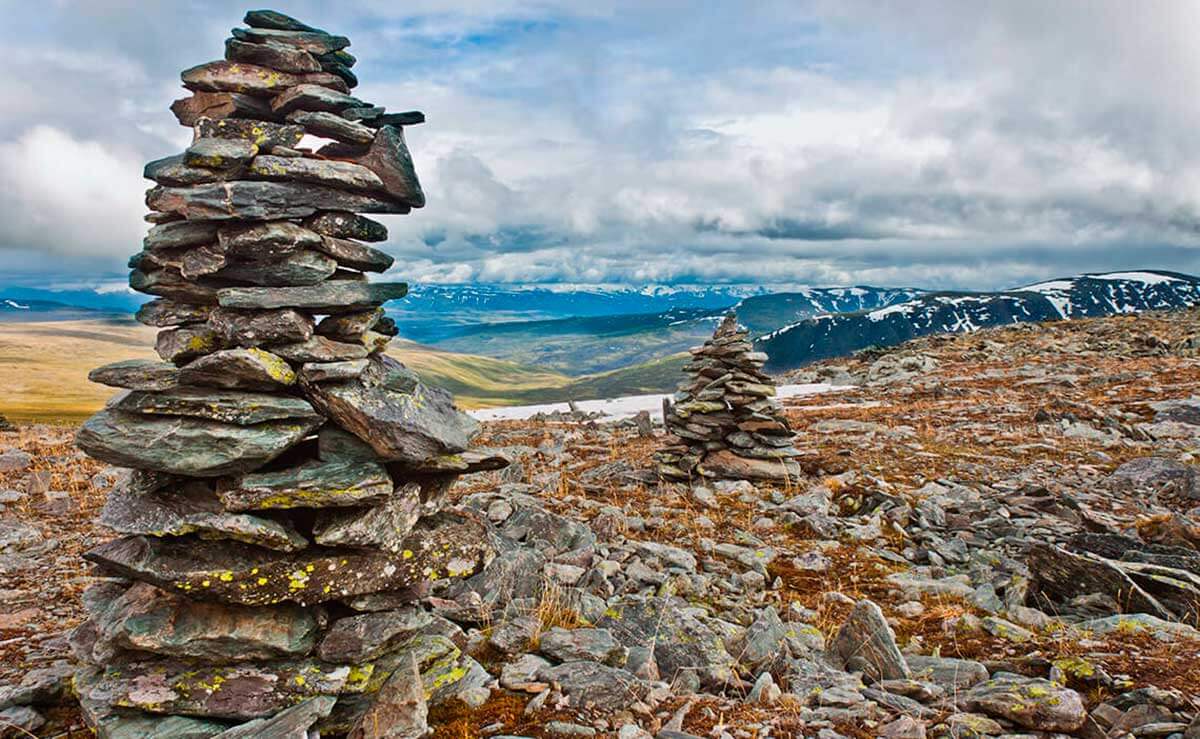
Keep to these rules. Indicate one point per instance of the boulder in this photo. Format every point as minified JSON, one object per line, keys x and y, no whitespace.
{"x":389,"y":408}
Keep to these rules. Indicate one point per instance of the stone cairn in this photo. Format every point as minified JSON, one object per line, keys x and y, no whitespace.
{"x":280,"y":522}
{"x":725,"y":422}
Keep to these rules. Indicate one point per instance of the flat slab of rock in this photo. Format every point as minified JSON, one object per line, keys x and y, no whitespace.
{"x":261,"y":328}
{"x":146,"y":619}
{"x":266,"y":240}
{"x":231,"y":572}
{"x":320,"y":349}
{"x":291,"y":722}
{"x":726,"y":465}
{"x":301,"y":267}
{"x":312,"y":98}
{"x":162,"y":312}
{"x":191,"y":508}
{"x":320,"y":171}
{"x":595,"y":645}
{"x":331,"y":126}
{"x":187,"y":446}
{"x":137,"y":374}
{"x":245,"y":369}
{"x":389,"y":408}
{"x":228,"y":406}
{"x":310,"y":485}
{"x":263,"y":134}
{"x":220,"y":106}
{"x":334,"y":295}
{"x":358,"y":256}
{"x":234,"y":692}
{"x":263,"y":201}
{"x":342,"y":225}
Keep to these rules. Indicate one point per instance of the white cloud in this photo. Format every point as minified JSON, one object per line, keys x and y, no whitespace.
{"x":60,"y":194}
{"x":933,"y":143}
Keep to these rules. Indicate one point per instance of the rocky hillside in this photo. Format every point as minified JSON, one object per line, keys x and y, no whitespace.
{"x":1084,"y":296}
{"x":998,"y":533}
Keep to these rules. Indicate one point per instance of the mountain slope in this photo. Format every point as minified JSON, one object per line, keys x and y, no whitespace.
{"x":1086,"y":295}
{"x":763,"y":313}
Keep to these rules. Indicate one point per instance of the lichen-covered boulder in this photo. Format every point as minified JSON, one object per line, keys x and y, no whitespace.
{"x":439,"y":548}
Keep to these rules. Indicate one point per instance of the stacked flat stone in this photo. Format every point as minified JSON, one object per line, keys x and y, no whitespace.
{"x":725,"y":422}
{"x":282,"y":512}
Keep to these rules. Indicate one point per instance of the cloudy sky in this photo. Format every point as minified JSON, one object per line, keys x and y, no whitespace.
{"x":937,"y":144}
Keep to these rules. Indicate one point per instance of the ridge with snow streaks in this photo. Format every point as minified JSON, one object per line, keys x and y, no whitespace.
{"x":1083,"y":296}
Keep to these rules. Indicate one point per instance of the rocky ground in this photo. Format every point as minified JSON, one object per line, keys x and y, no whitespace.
{"x":997,"y":534}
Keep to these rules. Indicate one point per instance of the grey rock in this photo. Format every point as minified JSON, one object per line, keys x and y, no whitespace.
{"x":261,"y":328}
{"x":263,"y":201}
{"x":866,"y":643}
{"x":183,"y":344}
{"x":232,"y":572}
{"x":592,"y":684}
{"x":515,"y":635}
{"x":191,"y":508}
{"x":219,"y":153}
{"x":187,"y":446}
{"x":311,"y":97}
{"x":344,"y":225}
{"x":353,"y":255}
{"x":313,"y":484}
{"x":331,"y":126}
{"x":263,"y":134}
{"x":239,"y":407}
{"x":1033,"y":703}
{"x":248,"y":79}
{"x":399,"y":710}
{"x":246,"y":369}
{"x":1156,"y":475}
{"x":162,"y":312}
{"x":951,"y":674}
{"x":15,"y":460}
{"x":682,"y":644}
{"x":137,"y":374}
{"x":335,"y":174}
{"x":302,"y":267}
{"x":266,"y":240}
{"x":320,"y":349}
{"x":388,"y":157}
{"x":145,"y":619}
{"x":276,"y":56}
{"x":334,"y":296}
{"x":20,"y":721}
{"x":401,"y":418}
{"x":596,"y":645}
{"x":382,"y":526}
{"x":290,"y":723}
{"x":332,"y":371}
{"x":180,"y":233}
{"x":364,"y":637}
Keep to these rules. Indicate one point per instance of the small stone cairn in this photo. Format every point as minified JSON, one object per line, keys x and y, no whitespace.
{"x":281,"y":519}
{"x":725,"y":422}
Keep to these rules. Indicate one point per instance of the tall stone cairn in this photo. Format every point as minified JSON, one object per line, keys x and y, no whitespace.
{"x":725,"y":422}
{"x":281,"y":519}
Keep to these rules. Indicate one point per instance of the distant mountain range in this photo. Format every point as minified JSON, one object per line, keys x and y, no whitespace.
{"x":586,"y":330}
{"x":1086,"y":295}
